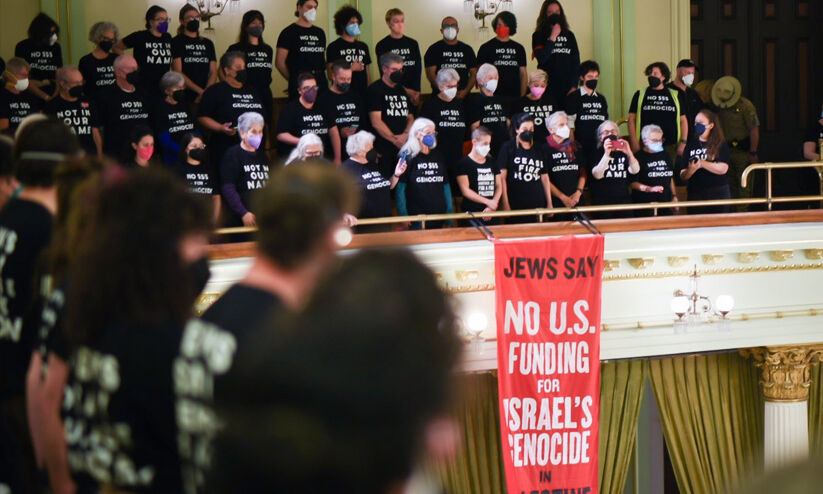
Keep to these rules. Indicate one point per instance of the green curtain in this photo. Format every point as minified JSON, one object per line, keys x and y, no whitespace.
{"x":816,"y":411}
{"x":712,"y":414}
{"x":621,"y":394}
{"x":478,"y":468}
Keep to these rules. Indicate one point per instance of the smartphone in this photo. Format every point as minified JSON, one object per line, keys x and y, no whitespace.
{"x":403,"y":156}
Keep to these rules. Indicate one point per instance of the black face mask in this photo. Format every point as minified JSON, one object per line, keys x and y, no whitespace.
{"x":193,"y":26}
{"x":197,"y":154}
{"x":611,"y":137}
{"x":344,"y":87}
{"x":76,"y":91}
{"x":179,"y":95}
{"x":553,"y":19}
{"x":256,"y":31}
{"x":527,"y":136}
{"x":591,"y":84}
{"x":397,"y":77}
{"x":242,"y":76}
{"x":106,"y":46}
{"x":199,"y":274}
{"x":371,"y":156}
{"x":654,"y":81}
{"x":133,"y":77}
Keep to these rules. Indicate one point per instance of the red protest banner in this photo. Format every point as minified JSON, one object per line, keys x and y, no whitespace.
{"x":548,"y":354}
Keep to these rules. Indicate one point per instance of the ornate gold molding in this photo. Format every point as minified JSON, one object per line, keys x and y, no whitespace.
{"x":678,"y":261}
{"x":781,"y":255}
{"x":611,"y":264}
{"x":641,"y":262}
{"x":747,"y":257}
{"x":785,"y":371}
{"x":814,"y":254}
{"x":465,"y":275}
{"x":204,"y":301}
{"x":712,"y":259}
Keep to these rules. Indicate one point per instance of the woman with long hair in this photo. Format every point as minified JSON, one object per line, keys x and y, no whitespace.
{"x":43,"y":53}
{"x":555,"y":48}
{"x":152,"y":50}
{"x":259,"y":59}
{"x":523,"y":174}
{"x":706,"y":164}
{"x":193,"y":55}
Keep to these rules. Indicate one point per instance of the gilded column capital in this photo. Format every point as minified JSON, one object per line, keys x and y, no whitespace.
{"x":785,"y":371}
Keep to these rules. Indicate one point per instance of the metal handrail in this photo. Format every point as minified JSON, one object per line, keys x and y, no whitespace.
{"x":541,"y":213}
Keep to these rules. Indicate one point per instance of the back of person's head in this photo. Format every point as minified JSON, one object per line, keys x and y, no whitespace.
{"x":341,"y":396}
{"x":40,"y":147}
{"x":299,"y":209}
{"x":130,"y":269}
{"x":6,"y":159}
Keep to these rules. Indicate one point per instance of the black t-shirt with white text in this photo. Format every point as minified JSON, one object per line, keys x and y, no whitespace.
{"x":409,"y":51}
{"x":174,"y":119}
{"x":223,"y":104}
{"x":298,"y":121}
{"x":344,"y":110}
{"x":355,"y":51}
{"x":490,"y":111}
{"x":248,"y":172}
{"x":25,"y":231}
{"x":392,"y":103}
{"x":16,"y":107}
{"x":655,"y":169}
{"x":613,"y":188}
{"x":118,"y":113}
{"x":590,"y":110}
{"x":508,"y":57}
{"x":44,"y":60}
{"x":458,"y":56}
{"x":259,"y":63}
{"x":196,"y":55}
{"x":79,"y":115}
{"x":564,"y":170}
{"x":425,"y":178}
{"x":201,"y":179}
{"x":702,"y":178}
{"x":559,"y":58}
{"x":659,"y":108}
{"x":449,"y":119}
{"x":481,"y":180}
{"x":153,"y":55}
{"x":524,"y":170}
{"x":307,"y":53}
{"x":540,"y":110}
{"x":375,"y":190}
{"x":97,"y":74}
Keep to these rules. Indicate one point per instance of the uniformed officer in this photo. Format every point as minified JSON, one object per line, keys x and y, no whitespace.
{"x":738,"y":117}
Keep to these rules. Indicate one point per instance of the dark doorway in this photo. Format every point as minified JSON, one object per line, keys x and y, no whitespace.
{"x":774,"y":48}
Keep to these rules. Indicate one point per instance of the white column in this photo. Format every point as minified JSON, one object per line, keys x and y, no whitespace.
{"x":786,"y":433}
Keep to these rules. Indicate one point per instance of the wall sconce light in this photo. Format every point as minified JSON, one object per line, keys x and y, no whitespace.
{"x":480,"y":9}
{"x":213,"y":8}
{"x":475,"y":324}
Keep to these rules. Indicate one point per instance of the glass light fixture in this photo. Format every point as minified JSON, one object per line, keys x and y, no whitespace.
{"x":724,"y":305}
{"x":476,"y":323}
{"x":680,"y":306}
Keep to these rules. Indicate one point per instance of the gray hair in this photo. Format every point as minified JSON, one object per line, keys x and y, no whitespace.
{"x":97,"y":30}
{"x":248,"y":120}
{"x":480,"y":132}
{"x":412,"y":146}
{"x":64,"y":72}
{"x":357,"y":143}
{"x":299,"y":152}
{"x":121,"y":60}
{"x":171,"y":79}
{"x":444,"y":76}
{"x":554,"y":119}
{"x":15,"y":64}
{"x":485,"y":72}
{"x":647,"y":130}
{"x":389,"y":58}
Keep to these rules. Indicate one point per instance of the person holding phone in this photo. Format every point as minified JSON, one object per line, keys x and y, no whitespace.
{"x":611,"y":164}
{"x":706,"y":165}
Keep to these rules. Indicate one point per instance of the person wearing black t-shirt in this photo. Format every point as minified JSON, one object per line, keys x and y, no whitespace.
{"x":611,"y":168}
{"x":390,"y":111}
{"x":661,"y":106}
{"x":244,"y":169}
{"x":43,"y":54}
{"x":811,"y":142}
{"x":587,"y":109}
{"x":194,"y":168}
{"x":305,"y":116}
{"x":301,"y":47}
{"x":449,"y":53}
{"x":539,"y":103}
{"x":125,"y":107}
{"x":479,"y":178}
{"x":487,"y":109}
{"x":344,"y":109}
{"x":555,"y":48}
{"x":706,"y":173}
{"x":523,"y":173}
{"x":407,"y":48}
{"x":25,"y":231}
{"x":142,"y":147}
{"x":73,"y":108}
{"x":508,"y":56}
{"x":567,"y":173}
{"x":152,"y":50}
{"x":375,"y":189}
{"x":172,"y":117}
{"x":259,"y":59}
{"x":424,"y":186}
{"x":193,"y":55}
{"x":347,"y":48}
{"x":15,"y":102}
{"x":224,"y":102}
{"x":97,"y":67}
{"x":655,"y":181}
{"x":449,"y":117}
{"x":683,"y":82}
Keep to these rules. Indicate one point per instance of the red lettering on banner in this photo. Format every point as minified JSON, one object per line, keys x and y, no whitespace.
{"x":548,"y":353}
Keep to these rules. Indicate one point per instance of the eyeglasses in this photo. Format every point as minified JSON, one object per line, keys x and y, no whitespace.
{"x":305,"y":89}
{"x":162,"y":19}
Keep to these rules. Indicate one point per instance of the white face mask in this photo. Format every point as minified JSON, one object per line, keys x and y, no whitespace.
{"x":21,"y":85}
{"x":491,"y":86}
{"x":483,"y":150}
{"x":450,"y":93}
{"x":688,"y":80}
{"x":311,"y":15}
{"x":564,"y":131}
{"x":53,"y":39}
{"x":450,"y":33}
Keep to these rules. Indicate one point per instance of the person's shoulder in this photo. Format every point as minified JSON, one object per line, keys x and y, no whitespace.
{"x":23,"y":45}
{"x":411,"y":41}
{"x":236,"y":47}
{"x":745,"y":104}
